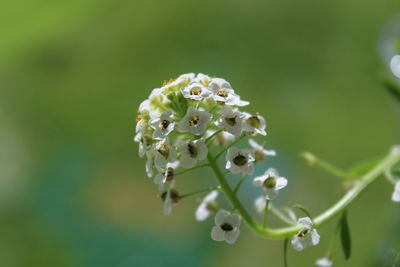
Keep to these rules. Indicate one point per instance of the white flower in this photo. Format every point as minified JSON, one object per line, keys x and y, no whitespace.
{"x":271,"y":183}
{"x":324,"y":262}
{"x":239,"y":161}
{"x":223,"y":138}
{"x":226,"y":227}
{"x":169,"y":197}
{"x":144,"y":143}
{"x":259,"y":204}
{"x":163,"y":153}
{"x":396,"y":193}
{"x":195,"y":121}
{"x":192,"y":151}
{"x":207,"y":206}
{"x":196,"y":91}
{"x":150,"y":165}
{"x":166,"y":175}
{"x":306,"y":237}
{"x":259,"y":152}
{"x":162,"y":125}
{"x":202,"y":78}
{"x":254,"y":124}
{"x":224,"y":93}
{"x":230,"y":120}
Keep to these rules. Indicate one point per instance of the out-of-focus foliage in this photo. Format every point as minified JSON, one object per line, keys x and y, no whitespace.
{"x":73,"y":191}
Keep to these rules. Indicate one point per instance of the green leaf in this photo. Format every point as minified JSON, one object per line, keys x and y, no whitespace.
{"x":345,"y":236}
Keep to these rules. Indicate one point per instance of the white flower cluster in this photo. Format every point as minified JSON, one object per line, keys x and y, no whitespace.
{"x":178,"y":124}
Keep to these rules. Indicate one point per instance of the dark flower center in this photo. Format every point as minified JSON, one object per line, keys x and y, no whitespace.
{"x":222,"y":93}
{"x":164,"y":124}
{"x":254,"y":121}
{"x":192,"y":149}
{"x":240,"y":160}
{"x":196,"y":91}
{"x":194,"y":120}
{"x":226,"y":227}
{"x":169,"y":174}
{"x":163,"y":150}
{"x":173,"y":194}
{"x":303,"y":233}
{"x":270,"y":183}
{"x":259,"y":155}
{"x":231,"y":121}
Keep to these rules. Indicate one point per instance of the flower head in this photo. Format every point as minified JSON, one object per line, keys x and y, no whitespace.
{"x":396,"y":193}
{"x":307,"y":236}
{"x":259,"y":152}
{"x":196,"y":91}
{"x":239,"y":161}
{"x":324,"y":262}
{"x":254,"y":124}
{"x":162,"y":125}
{"x":226,"y":227}
{"x":207,"y":206}
{"x":231,"y":120}
{"x":195,"y":121}
{"x":166,"y":175}
{"x":192,"y":151}
{"x":223,"y":93}
{"x":271,"y":183}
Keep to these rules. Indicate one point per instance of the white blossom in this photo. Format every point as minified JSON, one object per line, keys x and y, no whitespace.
{"x":202,"y":78}
{"x":150,"y":165}
{"x":223,"y":93}
{"x":307,"y":236}
{"x":206,"y":206}
{"x":271,"y":182}
{"x":162,"y":125}
{"x":254,"y":124}
{"x":195,"y":121}
{"x":223,"y":138}
{"x":166,"y":174}
{"x":226,"y":227}
{"x":196,"y":91}
{"x":396,"y":193}
{"x":324,"y":262}
{"x":231,"y":120}
{"x":169,"y":197}
{"x":163,"y":153}
{"x":239,"y":161}
{"x":192,"y":151}
{"x":259,"y":152}
{"x":260,"y":203}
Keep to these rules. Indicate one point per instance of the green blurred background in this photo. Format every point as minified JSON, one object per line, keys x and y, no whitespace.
{"x":73,"y":191}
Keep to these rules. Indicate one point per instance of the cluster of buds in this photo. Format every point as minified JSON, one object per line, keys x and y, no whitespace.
{"x":182,"y":122}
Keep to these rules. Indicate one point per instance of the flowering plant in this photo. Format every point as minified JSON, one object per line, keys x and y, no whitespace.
{"x":193,"y":121}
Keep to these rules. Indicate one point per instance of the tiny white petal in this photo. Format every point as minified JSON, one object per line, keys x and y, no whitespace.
{"x":297,"y":243}
{"x":396,"y":193}
{"x":202,"y":212}
{"x":314,"y":237}
{"x":305,"y":222}
{"x":259,"y":180}
{"x":270,"y":194}
{"x":217,"y":233}
{"x":260,"y":204}
{"x":324,"y":262}
{"x":281,"y":182}
{"x":220,"y":217}
{"x":232,"y":236}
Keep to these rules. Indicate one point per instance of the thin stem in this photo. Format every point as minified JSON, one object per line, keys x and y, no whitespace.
{"x":210,"y":138}
{"x":284,"y":232}
{"x":191,"y":169}
{"x":280,"y":215}
{"x":266,"y":213}
{"x":389,"y":176}
{"x":244,"y":176}
{"x":200,"y":191}
{"x":328,"y":167}
{"x":229,"y":146}
{"x":285,"y":245}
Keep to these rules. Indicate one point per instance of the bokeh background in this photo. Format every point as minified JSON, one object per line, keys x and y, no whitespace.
{"x":73,"y":191}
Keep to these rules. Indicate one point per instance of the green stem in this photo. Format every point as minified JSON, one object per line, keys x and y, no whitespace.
{"x":284,"y":232}
{"x":285,"y":245}
{"x":200,"y":191}
{"x":212,"y":136}
{"x":229,"y":146}
{"x":244,"y":176}
{"x":313,"y":160}
{"x":278,"y":213}
{"x":266,"y":213}
{"x":191,"y":169}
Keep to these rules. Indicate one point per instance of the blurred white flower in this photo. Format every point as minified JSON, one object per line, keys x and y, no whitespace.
{"x":231,"y":120}
{"x":196,"y":91}
{"x":169,"y":197}
{"x":223,"y":93}
{"x":195,"y":121}
{"x":306,"y":237}
{"x":259,"y":204}
{"x":202,"y":78}
{"x":166,"y":175}
{"x":239,"y":161}
{"x":254,"y":124}
{"x":324,"y":262}
{"x":192,"y":151}
{"x":259,"y":152}
{"x":396,"y":193}
{"x":163,"y":153}
{"x":223,"y":138}
{"x":226,"y":227}
{"x":271,"y":182}
{"x":207,"y":206}
{"x":162,"y":125}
